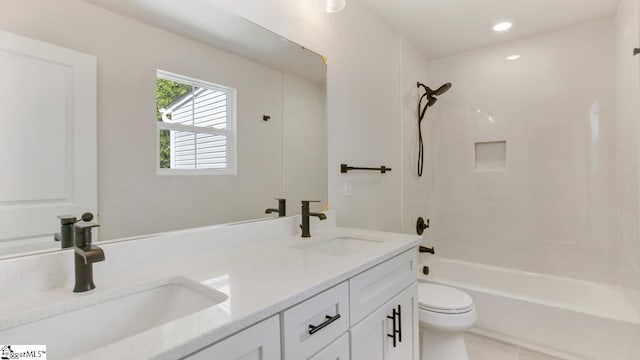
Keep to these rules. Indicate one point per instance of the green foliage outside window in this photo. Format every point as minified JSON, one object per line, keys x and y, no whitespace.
{"x":167,"y":92}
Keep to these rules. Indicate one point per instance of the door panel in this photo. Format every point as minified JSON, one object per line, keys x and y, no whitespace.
{"x":48,"y":137}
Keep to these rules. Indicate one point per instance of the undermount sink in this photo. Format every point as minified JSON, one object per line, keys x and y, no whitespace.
{"x":110,"y":318}
{"x":341,"y":246}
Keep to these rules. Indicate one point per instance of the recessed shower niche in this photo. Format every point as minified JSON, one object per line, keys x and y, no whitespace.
{"x":490,"y":156}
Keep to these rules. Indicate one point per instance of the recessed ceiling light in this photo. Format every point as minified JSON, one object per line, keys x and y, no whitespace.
{"x":513,"y":57}
{"x":502,"y":26}
{"x":332,"y":6}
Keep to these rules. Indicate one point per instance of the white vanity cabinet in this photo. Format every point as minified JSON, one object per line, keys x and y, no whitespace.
{"x":259,"y":342}
{"x":371,"y":316}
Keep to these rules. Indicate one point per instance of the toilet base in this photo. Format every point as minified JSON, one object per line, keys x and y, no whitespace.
{"x":437,"y":345}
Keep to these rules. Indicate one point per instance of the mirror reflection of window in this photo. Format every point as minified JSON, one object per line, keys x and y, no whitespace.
{"x":196,"y":125}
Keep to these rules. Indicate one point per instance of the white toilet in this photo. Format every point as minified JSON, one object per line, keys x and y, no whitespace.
{"x":445,"y":314}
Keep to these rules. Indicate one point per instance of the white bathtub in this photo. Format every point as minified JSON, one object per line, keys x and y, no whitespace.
{"x":572,"y":318}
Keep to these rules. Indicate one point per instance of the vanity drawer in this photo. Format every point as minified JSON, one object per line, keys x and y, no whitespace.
{"x":313,"y":324}
{"x":338,"y":350}
{"x":261,"y":341}
{"x":374,"y":287}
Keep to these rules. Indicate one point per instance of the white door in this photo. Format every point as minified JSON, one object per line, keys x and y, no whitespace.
{"x":48,"y":160}
{"x":259,"y":342}
{"x":373,"y":338}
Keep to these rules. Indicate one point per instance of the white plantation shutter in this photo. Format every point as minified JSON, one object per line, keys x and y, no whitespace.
{"x":201,"y":127}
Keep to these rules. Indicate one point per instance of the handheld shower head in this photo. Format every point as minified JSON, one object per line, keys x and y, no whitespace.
{"x":430,"y":95}
{"x":439,"y":91}
{"x":443,"y":89}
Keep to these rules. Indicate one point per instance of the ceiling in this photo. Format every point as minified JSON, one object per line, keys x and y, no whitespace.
{"x":444,"y":27}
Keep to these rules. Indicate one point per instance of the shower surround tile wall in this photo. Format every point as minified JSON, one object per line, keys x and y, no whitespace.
{"x":415,"y":189}
{"x":554,"y":208}
{"x":627,"y":146}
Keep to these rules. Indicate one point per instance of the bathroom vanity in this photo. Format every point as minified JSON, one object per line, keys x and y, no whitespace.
{"x":374,"y":311}
{"x":239,"y":291}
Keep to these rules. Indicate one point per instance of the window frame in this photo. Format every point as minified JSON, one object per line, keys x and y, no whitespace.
{"x":230,"y":132}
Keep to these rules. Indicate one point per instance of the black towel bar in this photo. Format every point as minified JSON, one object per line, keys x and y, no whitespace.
{"x":344,"y":168}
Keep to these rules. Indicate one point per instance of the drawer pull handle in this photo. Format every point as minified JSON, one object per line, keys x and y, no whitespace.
{"x":329,"y":319}
{"x":397,"y":332}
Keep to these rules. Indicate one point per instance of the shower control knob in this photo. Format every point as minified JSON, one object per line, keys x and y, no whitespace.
{"x":636,"y":51}
{"x":421,"y":226}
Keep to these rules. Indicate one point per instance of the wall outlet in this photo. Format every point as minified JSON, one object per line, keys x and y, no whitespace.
{"x":348,"y":186}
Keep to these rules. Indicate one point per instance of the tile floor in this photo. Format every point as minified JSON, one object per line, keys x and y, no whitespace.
{"x":483,"y":348}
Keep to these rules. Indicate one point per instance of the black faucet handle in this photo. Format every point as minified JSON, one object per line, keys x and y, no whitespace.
{"x":421,"y":225}
{"x":70,"y":219}
{"x":86,"y":217}
{"x":311,"y":201}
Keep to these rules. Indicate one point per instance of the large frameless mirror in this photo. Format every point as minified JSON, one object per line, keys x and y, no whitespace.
{"x":157,"y":116}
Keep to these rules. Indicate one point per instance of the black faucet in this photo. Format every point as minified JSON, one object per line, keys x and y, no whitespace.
{"x":305,"y":217}
{"x":85,"y":255}
{"x":65,"y":236}
{"x":281,"y":210}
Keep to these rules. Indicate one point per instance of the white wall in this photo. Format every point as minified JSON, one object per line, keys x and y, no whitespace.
{"x":132,"y":198}
{"x":554,"y":209}
{"x":628,"y":115}
{"x":305,"y":142}
{"x":363,"y":96}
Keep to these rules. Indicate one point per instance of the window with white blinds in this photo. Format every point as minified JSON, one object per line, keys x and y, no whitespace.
{"x":196,"y":126}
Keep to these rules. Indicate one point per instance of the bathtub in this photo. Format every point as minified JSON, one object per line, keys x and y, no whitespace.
{"x":569,"y":318}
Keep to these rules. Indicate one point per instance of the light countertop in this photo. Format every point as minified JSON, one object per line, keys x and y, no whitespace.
{"x":261,"y":279}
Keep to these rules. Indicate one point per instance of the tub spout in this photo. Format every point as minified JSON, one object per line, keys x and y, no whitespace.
{"x":424,"y":249}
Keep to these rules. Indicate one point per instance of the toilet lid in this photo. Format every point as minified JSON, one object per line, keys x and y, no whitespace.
{"x":443,"y":298}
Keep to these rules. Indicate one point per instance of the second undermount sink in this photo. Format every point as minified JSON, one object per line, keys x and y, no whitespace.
{"x":340,"y":246}
{"x":112,"y":317}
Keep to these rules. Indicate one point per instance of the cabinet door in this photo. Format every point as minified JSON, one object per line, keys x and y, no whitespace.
{"x":407,"y":304}
{"x":373,"y":338}
{"x":338,"y":350}
{"x":259,"y":342}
